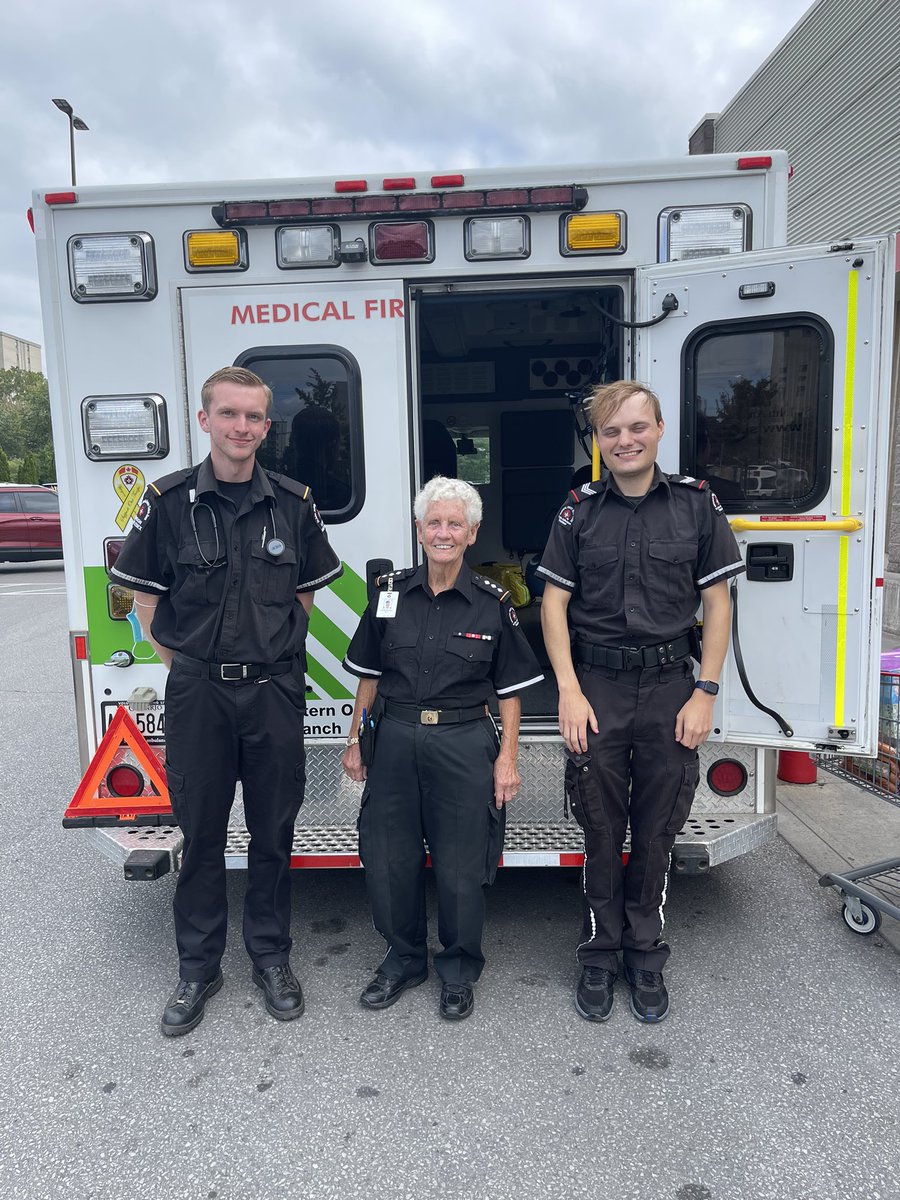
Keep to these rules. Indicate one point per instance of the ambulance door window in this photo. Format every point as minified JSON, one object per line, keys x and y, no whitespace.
{"x":757,"y":415}
{"x":316,"y":433}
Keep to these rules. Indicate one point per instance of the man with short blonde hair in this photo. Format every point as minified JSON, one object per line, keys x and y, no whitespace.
{"x":627,"y":562}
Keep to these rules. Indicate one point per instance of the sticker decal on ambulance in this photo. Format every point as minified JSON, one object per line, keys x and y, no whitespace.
{"x":128,"y":484}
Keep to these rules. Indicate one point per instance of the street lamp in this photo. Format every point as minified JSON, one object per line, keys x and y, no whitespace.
{"x":74,"y":123}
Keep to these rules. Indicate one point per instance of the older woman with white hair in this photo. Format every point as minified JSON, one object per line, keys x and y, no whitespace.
{"x":434,"y":644}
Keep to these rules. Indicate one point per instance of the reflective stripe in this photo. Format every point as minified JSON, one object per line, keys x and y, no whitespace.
{"x":157,"y":587}
{"x":352,"y":666}
{"x":567,"y":583}
{"x":735,"y":566}
{"x":516,"y":686}
{"x":305,"y":587}
{"x":840,"y":657}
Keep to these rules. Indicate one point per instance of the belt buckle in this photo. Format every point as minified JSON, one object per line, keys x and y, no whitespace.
{"x":633,"y":657}
{"x":239,"y":667}
{"x":429,"y":716}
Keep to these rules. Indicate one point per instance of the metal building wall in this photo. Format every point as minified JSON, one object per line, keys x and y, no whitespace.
{"x":830,"y":95}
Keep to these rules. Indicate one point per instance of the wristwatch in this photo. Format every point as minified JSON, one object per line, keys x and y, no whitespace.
{"x":707,"y":685}
{"x":354,"y":741}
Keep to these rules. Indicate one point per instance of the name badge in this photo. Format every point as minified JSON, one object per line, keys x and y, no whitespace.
{"x":387,"y":604}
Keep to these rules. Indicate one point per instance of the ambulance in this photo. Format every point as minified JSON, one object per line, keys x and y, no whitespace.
{"x":414,"y":324}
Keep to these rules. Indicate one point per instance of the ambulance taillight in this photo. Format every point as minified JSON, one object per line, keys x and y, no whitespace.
{"x":497,"y":237}
{"x":727,"y":777}
{"x":402,"y":241}
{"x":123,"y":427}
{"x":703,"y":231}
{"x":125,"y":780}
{"x":109,"y":267}
{"x":307,"y":246}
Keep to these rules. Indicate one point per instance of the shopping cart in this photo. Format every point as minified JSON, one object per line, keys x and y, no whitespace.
{"x":863,"y":907}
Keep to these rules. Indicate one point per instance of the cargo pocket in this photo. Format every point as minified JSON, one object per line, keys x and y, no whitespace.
{"x":175,"y":784}
{"x":660,"y":849}
{"x":583,"y":791}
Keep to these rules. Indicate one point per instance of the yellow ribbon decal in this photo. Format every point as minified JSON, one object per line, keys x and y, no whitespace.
{"x":128,"y":483}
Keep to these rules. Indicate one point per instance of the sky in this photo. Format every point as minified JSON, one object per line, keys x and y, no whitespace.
{"x":179,"y":90}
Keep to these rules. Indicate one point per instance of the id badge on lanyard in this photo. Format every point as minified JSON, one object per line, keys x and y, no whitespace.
{"x":388,"y":601}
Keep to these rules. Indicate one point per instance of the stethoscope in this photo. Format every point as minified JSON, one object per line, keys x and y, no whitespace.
{"x":274,"y":546}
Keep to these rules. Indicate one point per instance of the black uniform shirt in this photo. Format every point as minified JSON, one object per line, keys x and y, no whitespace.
{"x":451,"y":650}
{"x":636,"y":569}
{"x":243,"y":607}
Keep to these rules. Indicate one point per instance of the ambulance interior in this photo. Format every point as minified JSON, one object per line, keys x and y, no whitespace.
{"x":501,"y":380}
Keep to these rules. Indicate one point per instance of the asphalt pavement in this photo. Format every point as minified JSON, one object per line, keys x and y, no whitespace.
{"x":775,"y":1076}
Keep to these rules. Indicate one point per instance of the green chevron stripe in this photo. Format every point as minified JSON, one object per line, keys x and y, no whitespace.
{"x":351,"y":588}
{"x":325,"y":681}
{"x":331,"y":636}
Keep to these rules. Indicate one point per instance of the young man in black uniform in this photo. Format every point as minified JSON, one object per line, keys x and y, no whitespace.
{"x":224,"y":559}
{"x":433,"y":645}
{"x":627,"y":562}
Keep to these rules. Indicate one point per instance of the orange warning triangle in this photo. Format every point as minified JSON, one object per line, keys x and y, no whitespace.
{"x":87,"y":801}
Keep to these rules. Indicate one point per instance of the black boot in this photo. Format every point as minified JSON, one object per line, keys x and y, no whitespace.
{"x":184,"y":1010}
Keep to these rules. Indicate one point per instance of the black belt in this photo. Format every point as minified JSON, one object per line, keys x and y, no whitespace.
{"x":232,"y":672}
{"x":633,"y":658}
{"x":433,"y":716}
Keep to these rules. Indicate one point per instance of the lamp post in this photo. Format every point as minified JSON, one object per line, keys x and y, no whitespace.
{"x":74,"y":123}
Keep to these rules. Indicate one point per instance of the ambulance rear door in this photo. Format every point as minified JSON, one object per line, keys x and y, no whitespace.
{"x":335,"y":358}
{"x":774,"y":373}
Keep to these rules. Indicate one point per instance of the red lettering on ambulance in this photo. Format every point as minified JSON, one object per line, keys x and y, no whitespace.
{"x":243,"y":315}
{"x":397,"y":308}
{"x":346,"y":314}
{"x":331,"y":311}
{"x":371,"y":309}
{"x":281,"y":312}
{"x":262,"y":314}
{"x":307,"y":315}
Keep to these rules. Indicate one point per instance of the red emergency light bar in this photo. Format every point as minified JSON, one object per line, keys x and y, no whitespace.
{"x":351,"y":185}
{"x":442,"y":181}
{"x":406,"y":184}
{"x":570,"y":197}
{"x":760,"y":162}
{"x":60,"y":198}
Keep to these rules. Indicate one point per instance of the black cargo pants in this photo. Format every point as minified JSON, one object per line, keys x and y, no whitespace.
{"x":434,"y":784}
{"x":217,"y":733}
{"x":634,"y":772}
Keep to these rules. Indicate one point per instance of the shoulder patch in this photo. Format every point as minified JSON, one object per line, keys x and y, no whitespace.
{"x":382,"y":580}
{"x":689,"y":481}
{"x":290,"y":485}
{"x":490,"y":585}
{"x":170,"y":481}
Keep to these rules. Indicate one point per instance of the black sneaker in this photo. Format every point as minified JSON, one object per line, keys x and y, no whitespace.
{"x":649,"y":998}
{"x":282,"y":993}
{"x":184,"y":1009}
{"x":594,"y":994}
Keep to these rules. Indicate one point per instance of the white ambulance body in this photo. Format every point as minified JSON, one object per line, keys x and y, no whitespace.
{"x":411,"y":325}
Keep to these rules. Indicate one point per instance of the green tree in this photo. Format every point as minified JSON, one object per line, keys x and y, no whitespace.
{"x":24,"y":412}
{"x":4,"y":467}
{"x":46,"y":465}
{"x":28,"y":471}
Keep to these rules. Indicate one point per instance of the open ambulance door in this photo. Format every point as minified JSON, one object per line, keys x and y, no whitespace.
{"x":774,"y":375}
{"x":335,"y":358}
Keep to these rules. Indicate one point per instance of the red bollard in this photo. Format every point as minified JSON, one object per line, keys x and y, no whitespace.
{"x":796,"y":766}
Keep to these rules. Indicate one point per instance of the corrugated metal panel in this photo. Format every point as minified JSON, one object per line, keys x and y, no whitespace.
{"x":829,"y":96}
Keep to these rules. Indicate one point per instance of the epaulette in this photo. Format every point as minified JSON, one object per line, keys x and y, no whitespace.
{"x":595,"y":488}
{"x":382,"y":580}
{"x":169,"y":481}
{"x":490,"y":585}
{"x":290,"y":485}
{"x":689,"y":481}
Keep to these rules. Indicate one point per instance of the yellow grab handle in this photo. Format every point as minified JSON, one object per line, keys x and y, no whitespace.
{"x":844,"y":525}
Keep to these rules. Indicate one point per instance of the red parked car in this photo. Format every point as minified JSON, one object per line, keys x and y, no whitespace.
{"x":29,"y":523}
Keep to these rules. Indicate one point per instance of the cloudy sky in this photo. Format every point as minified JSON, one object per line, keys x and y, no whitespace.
{"x":191,"y":89}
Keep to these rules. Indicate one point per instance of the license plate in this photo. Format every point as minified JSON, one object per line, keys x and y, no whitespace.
{"x":151,"y":721}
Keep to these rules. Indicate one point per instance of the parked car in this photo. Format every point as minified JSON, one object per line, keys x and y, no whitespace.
{"x":29,"y":523}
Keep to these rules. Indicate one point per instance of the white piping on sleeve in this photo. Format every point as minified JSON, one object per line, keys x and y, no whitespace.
{"x":566,"y":583}
{"x":148,"y":583}
{"x":735,"y":566}
{"x":515,"y":687}
{"x":362,"y":670}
